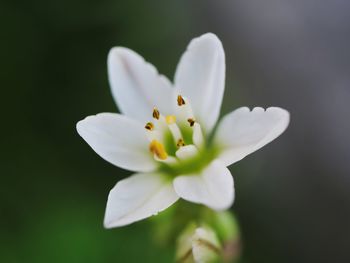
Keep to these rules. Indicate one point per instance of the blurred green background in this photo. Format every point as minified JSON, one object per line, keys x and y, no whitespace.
{"x":292,"y":197}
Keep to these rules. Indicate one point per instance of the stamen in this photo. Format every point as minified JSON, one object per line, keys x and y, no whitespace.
{"x":197,"y":136}
{"x":175,"y":130}
{"x":156,"y":113}
{"x":158,"y":149}
{"x":191,"y":121}
{"x":184,"y":112}
{"x":170,"y":119}
{"x":149,"y":126}
{"x":180,"y":143}
{"x":180,"y":100}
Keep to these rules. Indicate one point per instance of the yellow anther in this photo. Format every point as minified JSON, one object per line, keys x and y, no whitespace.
{"x":156,"y":113}
{"x":191,"y":121}
{"x":157,"y":148}
{"x":170,"y":119}
{"x":180,"y":143}
{"x":149,"y":126}
{"x":180,"y":100}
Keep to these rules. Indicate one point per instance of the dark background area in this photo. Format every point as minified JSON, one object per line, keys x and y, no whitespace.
{"x":292,"y":197}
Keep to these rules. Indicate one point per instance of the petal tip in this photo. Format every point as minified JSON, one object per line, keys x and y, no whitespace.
{"x":120,"y":57}
{"x":81,"y":124}
{"x":283,"y":114}
{"x":280,"y":110}
{"x":78,"y":125}
{"x":116,"y":51}
{"x":209,"y":39}
{"x":107,"y":225}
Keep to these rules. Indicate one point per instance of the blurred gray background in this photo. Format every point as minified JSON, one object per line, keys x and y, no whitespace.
{"x":293,"y":54}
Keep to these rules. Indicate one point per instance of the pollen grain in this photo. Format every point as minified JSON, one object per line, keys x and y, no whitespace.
{"x":180,"y":100}
{"x":156,"y":113}
{"x":149,"y":126}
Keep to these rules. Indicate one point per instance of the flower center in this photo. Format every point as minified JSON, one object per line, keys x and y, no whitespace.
{"x":177,"y":141}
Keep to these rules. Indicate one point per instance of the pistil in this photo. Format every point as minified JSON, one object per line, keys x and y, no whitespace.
{"x":174,"y":129}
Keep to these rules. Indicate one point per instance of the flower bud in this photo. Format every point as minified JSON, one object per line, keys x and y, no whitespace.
{"x":198,"y":245}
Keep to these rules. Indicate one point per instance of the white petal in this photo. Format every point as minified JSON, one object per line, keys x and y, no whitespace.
{"x":138,"y":197}
{"x":136,"y":85}
{"x":119,"y":140}
{"x":213,"y":187}
{"x":200,"y":76}
{"x":242,"y":131}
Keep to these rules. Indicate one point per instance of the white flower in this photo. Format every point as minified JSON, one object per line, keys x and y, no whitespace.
{"x":166,"y":134}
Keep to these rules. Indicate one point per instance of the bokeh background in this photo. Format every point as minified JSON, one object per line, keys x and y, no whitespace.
{"x":293,"y":198}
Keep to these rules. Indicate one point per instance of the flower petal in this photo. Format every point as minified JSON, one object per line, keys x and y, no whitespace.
{"x":242,"y":131}
{"x":138,"y":197}
{"x":136,"y":85}
{"x":119,"y":140}
{"x":213,"y":187}
{"x":200,"y":76}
